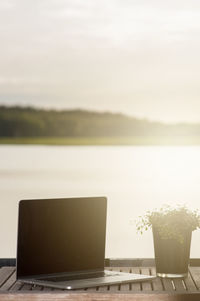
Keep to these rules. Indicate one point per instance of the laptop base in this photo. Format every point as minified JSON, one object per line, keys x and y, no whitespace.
{"x":111,"y":277}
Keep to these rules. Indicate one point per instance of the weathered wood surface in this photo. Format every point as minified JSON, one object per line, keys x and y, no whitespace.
{"x":158,"y":289}
{"x":98,"y":297}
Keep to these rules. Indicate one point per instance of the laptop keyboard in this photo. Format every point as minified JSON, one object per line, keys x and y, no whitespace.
{"x":77,"y":277}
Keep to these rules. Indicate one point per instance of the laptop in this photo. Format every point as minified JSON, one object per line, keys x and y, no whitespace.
{"x":61,"y":244}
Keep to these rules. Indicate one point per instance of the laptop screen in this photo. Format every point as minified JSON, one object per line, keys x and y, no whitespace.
{"x":61,"y":235}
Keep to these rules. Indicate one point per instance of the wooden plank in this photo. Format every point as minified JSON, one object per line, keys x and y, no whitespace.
{"x":16,"y":286}
{"x":26,"y":287}
{"x":147,"y":285}
{"x":104,"y":288}
{"x":195,"y":275}
{"x":115,"y":287}
{"x":99,"y":297}
{"x":168,"y":285}
{"x":135,"y":286}
{"x":125,"y":287}
{"x":189,"y":283}
{"x":5,"y":273}
{"x":179,"y":285}
{"x":89,"y":289}
{"x":9,"y":283}
{"x":165,"y":283}
{"x":156,"y":283}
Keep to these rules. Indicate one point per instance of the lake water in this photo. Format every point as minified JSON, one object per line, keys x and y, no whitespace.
{"x":134,"y":178}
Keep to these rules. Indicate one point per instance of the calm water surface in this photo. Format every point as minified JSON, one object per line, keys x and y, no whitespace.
{"x":134,"y":179}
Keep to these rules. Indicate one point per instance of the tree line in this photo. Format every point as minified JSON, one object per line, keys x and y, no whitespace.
{"x":31,"y":122}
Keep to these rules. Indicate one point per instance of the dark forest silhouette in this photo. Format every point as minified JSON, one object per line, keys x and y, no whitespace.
{"x":32,"y":122}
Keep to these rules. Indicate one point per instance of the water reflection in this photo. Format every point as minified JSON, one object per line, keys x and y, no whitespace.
{"x":134,"y":178}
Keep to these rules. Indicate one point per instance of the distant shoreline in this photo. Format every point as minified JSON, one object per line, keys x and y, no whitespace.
{"x":80,"y":127}
{"x":104,"y":141}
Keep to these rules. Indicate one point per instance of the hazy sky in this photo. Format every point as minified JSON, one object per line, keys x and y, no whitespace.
{"x":137,"y":57}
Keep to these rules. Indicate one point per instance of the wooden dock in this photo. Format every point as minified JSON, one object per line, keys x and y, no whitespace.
{"x":158,"y":289}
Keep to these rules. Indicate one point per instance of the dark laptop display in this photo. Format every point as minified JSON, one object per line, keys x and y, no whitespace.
{"x":61,"y":235}
{"x":61,"y":244}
